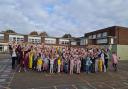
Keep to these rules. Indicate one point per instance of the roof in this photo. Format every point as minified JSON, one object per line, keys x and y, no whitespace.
{"x":107,"y":29}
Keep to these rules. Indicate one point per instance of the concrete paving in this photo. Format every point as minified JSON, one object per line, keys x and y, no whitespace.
{"x":6,"y":73}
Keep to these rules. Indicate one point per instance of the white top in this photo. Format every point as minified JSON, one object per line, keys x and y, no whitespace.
{"x":13,"y":53}
{"x":102,"y":56}
{"x":52,"y":61}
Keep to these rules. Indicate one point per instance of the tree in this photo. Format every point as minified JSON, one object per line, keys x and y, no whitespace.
{"x":34,"y":33}
{"x":9,"y":31}
{"x":43,"y":34}
{"x":66,"y":36}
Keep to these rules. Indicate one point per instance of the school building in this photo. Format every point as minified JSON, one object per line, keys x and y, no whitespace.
{"x":11,"y":36}
{"x":115,"y":38}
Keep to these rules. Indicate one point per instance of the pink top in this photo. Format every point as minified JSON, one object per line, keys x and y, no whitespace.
{"x":114,"y":58}
{"x":79,"y":62}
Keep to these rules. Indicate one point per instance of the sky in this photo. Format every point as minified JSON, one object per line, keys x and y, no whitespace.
{"x":57,"y":17}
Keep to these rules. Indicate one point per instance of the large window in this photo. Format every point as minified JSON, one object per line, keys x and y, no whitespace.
{"x":74,"y":43}
{"x":90,"y":37}
{"x":16,"y":38}
{"x":34,"y":39}
{"x":63,"y":41}
{"x":50,"y":40}
{"x":1,"y":36}
{"x":1,"y":48}
{"x":102,"y":41}
{"x":82,"y":41}
{"x":10,"y":38}
{"x":94,"y":36}
{"x":99,"y":35}
{"x":104,"y":34}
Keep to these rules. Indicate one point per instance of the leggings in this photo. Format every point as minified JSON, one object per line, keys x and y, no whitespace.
{"x":115,"y":66}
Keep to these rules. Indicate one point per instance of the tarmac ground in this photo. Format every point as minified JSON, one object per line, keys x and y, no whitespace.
{"x":10,"y":79}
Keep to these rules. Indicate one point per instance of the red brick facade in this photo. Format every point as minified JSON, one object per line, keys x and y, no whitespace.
{"x":118,"y":34}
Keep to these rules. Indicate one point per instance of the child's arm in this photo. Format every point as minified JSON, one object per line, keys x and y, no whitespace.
{"x":118,"y":58}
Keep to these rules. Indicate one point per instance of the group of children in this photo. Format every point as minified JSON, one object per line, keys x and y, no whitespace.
{"x":53,"y":59}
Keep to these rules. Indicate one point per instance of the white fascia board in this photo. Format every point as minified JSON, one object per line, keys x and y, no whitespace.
{"x":50,"y":39}
{"x":30,"y":37}
{"x":17,"y":36}
{"x":63,"y":40}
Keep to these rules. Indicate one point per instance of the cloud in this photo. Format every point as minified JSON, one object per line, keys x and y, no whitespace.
{"x":58,"y":17}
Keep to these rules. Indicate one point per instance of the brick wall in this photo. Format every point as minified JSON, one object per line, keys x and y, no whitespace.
{"x":123,"y":37}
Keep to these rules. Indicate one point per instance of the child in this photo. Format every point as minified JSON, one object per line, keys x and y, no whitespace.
{"x":100,"y":64}
{"x":106,"y":59}
{"x":78,"y":66}
{"x":115,"y":59}
{"x":39,"y":63}
{"x":71,"y":65}
{"x":30,"y":59}
{"x":66,"y":66}
{"x":59,"y":64}
{"x":51,"y":65}
{"x":45,"y":65}
{"x":34,"y":61}
{"x":88,"y":64}
{"x":93,"y":64}
{"x":13,"y":57}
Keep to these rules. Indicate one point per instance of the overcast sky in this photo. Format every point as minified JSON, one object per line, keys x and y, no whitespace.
{"x":58,"y":17}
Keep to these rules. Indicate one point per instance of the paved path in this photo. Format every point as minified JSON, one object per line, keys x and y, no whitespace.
{"x":6,"y":73}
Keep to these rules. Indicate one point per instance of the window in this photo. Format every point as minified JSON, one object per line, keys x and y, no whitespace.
{"x":90,"y":37}
{"x":33,"y":41}
{"x":10,"y":38}
{"x":1,"y":48}
{"x":67,"y":42}
{"x":63,"y":42}
{"x":18,"y":39}
{"x":1,"y":36}
{"x":101,"y":41}
{"x":30,"y":40}
{"x":36,"y":40}
{"x":49,"y":41}
{"x":104,"y":34}
{"x":99,"y":35}
{"x":21,"y":39}
{"x":94,"y":36}
{"x":74,"y":43}
{"x":14,"y":38}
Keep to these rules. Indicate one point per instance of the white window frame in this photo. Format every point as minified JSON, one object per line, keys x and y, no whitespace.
{"x":94,"y":36}
{"x":104,"y":34}
{"x":90,"y":37}
{"x":99,"y":35}
{"x":102,"y":41}
{"x":64,"y":41}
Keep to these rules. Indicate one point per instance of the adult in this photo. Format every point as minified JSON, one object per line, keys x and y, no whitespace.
{"x":14,"y":56}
